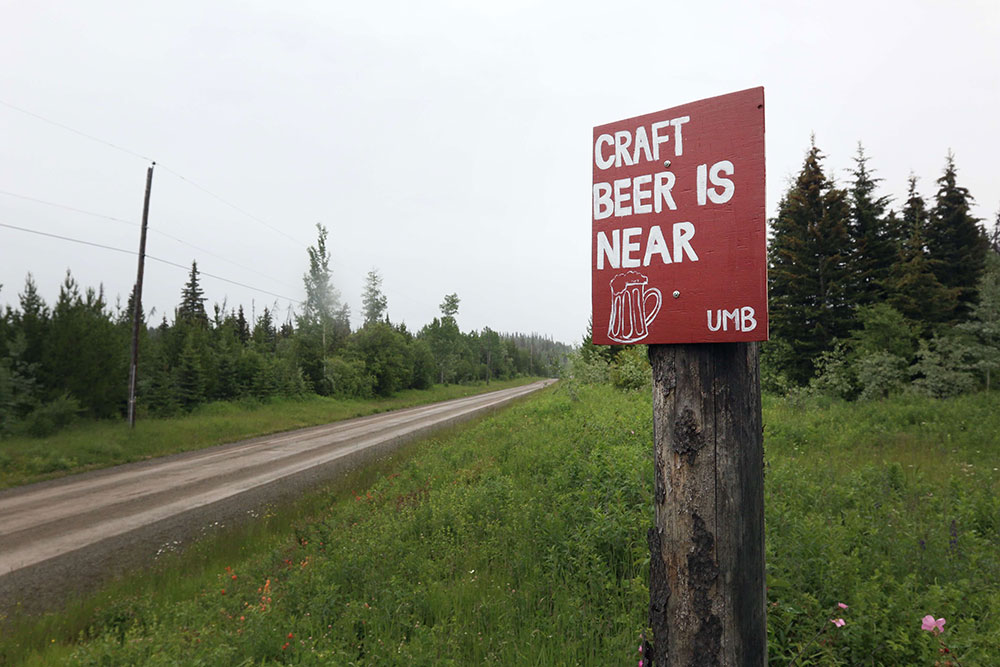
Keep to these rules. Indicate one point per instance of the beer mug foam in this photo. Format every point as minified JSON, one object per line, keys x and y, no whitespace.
{"x":630,"y":318}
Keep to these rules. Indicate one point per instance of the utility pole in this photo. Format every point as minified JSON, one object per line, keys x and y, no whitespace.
{"x":137,"y":301}
{"x":707,"y":594}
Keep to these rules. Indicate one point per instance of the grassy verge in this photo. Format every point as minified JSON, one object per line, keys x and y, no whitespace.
{"x":521,"y":540}
{"x":90,"y":445}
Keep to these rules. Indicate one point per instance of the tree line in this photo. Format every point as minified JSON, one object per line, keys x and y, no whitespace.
{"x":867,"y":300}
{"x":72,"y":359}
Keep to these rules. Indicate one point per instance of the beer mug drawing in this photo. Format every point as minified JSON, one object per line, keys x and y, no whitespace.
{"x":630,"y":319}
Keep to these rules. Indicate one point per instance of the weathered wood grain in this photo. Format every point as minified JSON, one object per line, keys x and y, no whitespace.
{"x":707,"y":600}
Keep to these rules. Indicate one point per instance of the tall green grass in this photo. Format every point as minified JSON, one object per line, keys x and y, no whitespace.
{"x":521,"y":540}
{"x":90,"y":445}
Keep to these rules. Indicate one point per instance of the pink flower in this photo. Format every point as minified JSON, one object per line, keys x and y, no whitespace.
{"x":640,"y":663}
{"x":842,"y":605}
{"x":930,"y":625}
{"x":839,"y":622}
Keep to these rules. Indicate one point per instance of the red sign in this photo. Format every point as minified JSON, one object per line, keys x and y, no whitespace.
{"x":679,"y":242}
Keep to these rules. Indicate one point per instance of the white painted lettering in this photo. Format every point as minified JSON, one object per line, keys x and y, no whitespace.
{"x":749,"y":321}
{"x":639,"y":195}
{"x":702,"y":183}
{"x":731,"y":315}
{"x":683,"y":233}
{"x":726,"y":167}
{"x":623,"y":139}
{"x":621,"y":210}
{"x":611,"y":250}
{"x":628,"y":262}
{"x":656,"y":245}
{"x":662,"y":186}
{"x":641,"y":143}
{"x":678,"y":139}
{"x":603,"y":205}
{"x":658,"y":138}
{"x":599,"y":159}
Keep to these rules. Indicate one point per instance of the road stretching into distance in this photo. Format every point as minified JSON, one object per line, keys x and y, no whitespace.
{"x":70,"y":534}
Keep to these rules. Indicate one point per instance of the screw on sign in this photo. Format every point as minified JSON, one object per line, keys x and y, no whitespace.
{"x":678,"y":210}
{"x":678,"y":199}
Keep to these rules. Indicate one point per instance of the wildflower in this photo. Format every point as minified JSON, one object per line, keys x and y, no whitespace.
{"x":839,"y":622}
{"x":931,"y":625}
{"x":291,"y":636}
{"x":842,"y":605}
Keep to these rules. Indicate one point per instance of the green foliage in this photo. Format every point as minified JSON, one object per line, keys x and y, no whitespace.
{"x":191,"y":311}
{"x":807,"y":268}
{"x":913,"y":286}
{"x":630,"y":369}
{"x":349,"y":379}
{"x":52,"y":417}
{"x":945,"y":366}
{"x":955,"y":242}
{"x":873,"y":236}
{"x":372,"y":299}
{"x":385,"y":356}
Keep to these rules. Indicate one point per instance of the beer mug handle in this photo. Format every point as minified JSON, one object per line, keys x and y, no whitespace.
{"x":651,"y":315}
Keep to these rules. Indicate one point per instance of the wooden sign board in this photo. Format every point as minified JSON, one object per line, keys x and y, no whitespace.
{"x":678,"y":245}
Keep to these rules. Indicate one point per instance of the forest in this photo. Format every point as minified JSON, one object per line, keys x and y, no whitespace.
{"x":71,"y":360}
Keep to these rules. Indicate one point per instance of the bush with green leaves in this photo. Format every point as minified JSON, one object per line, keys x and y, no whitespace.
{"x":52,"y":417}
{"x":631,"y":370}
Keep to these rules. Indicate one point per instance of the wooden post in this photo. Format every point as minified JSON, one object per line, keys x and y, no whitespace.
{"x":137,"y":301}
{"x":707,"y":598}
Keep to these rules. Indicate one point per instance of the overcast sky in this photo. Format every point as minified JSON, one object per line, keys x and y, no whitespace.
{"x":446,"y":144}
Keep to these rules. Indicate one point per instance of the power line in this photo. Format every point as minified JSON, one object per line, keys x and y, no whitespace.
{"x":162,"y":166}
{"x":75,"y":131}
{"x":154,"y":229}
{"x":155,"y":259}
{"x":233,"y":206}
{"x":68,"y":208}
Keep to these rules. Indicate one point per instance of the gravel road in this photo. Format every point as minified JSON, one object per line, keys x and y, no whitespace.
{"x":68,"y":535}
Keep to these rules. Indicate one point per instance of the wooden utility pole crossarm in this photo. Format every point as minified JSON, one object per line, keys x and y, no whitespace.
{"x":707,"y":596}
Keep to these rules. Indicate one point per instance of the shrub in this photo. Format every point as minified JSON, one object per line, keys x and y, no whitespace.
{"x":53,"y":416}
{"x":631,"y":370}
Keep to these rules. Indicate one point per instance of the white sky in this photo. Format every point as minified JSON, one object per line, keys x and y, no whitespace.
{"x":446,"y":144}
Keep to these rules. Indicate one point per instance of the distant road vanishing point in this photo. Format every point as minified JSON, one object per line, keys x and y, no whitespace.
{"x":69,"y":534}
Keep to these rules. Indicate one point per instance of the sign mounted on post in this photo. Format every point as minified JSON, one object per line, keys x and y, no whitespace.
{"x":678,"y":245}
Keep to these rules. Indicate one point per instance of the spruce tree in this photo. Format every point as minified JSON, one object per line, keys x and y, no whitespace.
{"x":192,"y":308}
{"x":242,"y":327}
{"x":995,"y":236}
{"x":373,"y":299}
{"x":913,"y":286}
{"x":873,"y":248}
{"x":956,"y":243}
{"x":808,"y":273}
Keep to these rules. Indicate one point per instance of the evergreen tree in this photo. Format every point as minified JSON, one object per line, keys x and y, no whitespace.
{"x":873,"y":249}
{"x":33,"y":321}
{"x":192,"y":308}
{"x":242,"y":327}
{"x":808,"y":274}
{"x":85,"y":354}
{"x":995,"y":236}
{"x":449,"y":307}
{"x":913,"y":287}
{"x":956,"y":243}
{"x":373,"y":299}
